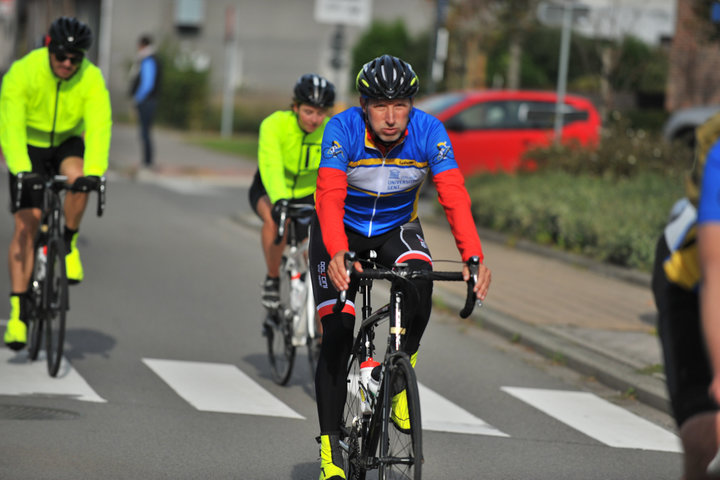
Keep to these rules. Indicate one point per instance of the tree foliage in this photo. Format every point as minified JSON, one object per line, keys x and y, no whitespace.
{"x":704,"y":28}
{"x":391,"y":38}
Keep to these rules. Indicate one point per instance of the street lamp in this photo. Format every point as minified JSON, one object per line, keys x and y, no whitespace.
{"x":565,"y":14}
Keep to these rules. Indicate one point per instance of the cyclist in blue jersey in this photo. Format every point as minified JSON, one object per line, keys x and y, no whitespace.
{"x":374,"y":160}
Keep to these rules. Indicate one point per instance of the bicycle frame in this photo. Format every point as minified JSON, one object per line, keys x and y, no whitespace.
{"x":373,"y":424}
{"x":295,"y":255}
{"x":48,"y":281}
{"x":292,"y":323}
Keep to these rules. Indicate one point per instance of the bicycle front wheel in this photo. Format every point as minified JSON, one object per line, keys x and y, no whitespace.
{"x":55,"y":304}
{"x":401,"y":442}
{"x":281,"y":351}
{"x":353,"y":425}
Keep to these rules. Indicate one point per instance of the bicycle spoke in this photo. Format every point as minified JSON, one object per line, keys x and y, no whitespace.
{"x":402,"y":449}
{"x":353,"y":428}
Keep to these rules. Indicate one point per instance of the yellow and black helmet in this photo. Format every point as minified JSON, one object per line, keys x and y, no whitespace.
{"x":387,"y":77}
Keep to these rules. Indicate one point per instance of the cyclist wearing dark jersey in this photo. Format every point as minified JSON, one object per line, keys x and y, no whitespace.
{"x":375,"y":159}
{"x":55,"y":117}
{"x":288,"y":159}
{"x":686,"y":286}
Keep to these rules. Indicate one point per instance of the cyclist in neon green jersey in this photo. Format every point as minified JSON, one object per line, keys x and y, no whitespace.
{"x":55,"y":117}
{"x":288,"y":160}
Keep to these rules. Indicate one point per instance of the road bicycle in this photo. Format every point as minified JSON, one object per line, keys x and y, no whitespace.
{"x":293,"y":323}
{"x":48,"y":300}
{"x":369,"y":437}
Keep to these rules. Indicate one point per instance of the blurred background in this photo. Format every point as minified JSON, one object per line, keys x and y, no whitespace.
{"x":647,"y":70}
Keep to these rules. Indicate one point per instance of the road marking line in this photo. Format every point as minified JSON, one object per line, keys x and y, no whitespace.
{"x":217,"y":387}
{"x":599,"y":419}
{"x":21,"y":377}
{"x":441,"y":415}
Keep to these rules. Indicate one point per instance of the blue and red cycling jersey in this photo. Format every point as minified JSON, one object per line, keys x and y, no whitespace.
{"x":709,"y":204}
{"x":371,"y":192}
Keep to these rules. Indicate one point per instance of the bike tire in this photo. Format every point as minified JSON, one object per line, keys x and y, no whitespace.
{"x":281,"y":351}
{"x":36,"y":330}
{"x":55,"y":304}
{"x":353,"y":431}
{"x":33,"y":303}
{"x":401,"y":449}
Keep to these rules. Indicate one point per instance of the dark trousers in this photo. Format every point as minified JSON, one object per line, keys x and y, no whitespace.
{"x":146,"y":112}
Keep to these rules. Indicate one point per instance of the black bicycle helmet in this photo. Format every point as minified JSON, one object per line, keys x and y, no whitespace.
{"x":68,"y":34}
{"x":314,"y":90}
{"x":387,"y":77}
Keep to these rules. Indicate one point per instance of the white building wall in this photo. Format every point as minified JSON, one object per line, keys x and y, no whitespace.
{"x":278,"y":40}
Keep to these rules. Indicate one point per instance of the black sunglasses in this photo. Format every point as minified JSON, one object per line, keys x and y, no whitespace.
{"x":62,"y":56}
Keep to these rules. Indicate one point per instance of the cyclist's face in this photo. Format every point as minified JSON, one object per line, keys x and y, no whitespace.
{"x":309,"y":117}
{"x":67,"y":67}
{"x":388,"y":118}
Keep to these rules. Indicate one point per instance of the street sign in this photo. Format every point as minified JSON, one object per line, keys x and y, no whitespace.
{"x":343,"y":12}
{"x":552,"y":13}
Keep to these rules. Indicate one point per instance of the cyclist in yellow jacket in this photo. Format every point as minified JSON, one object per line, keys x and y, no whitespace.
{"x":55,"y":117}
{"x":288,"y":159}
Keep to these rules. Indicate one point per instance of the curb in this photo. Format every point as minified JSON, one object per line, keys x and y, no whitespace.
{"x":604,"y":367}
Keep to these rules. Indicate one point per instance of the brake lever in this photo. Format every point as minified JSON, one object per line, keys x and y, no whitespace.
{"x":350,"y":258}
{"x":471,"y":301}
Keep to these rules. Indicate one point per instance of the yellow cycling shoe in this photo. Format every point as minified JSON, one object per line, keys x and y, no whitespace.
{"x":399,"y":413}
{"x":73,"y":265}
{"x":331,"y":461}
{"x":16,"y":334}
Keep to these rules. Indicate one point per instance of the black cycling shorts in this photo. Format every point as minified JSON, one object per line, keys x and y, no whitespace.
{"x":257,"y":191}
{"x":687,"y":367}
{"x":46,"y":162}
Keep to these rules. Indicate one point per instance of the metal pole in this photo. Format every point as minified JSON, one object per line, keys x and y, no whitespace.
{"x":562,"y":72}
{"x":228,"y":106}
{"x":437,"y":40}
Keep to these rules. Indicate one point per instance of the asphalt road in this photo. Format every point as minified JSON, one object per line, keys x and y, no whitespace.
{"x":167,"y":375}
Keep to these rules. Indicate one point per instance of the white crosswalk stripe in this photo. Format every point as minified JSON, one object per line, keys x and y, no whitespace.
{"x":215,"y":387}
{"x":599,"y":419}
{"x":23,"y":377}
{"x":441,"y":415}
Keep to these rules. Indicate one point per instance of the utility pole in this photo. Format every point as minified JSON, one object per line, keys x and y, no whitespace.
{"x":563,"y":14}
{"x":438,"y":47}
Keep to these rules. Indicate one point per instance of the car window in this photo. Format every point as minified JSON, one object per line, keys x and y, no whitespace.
{"x":486,"y":115}
{"x":542,"y":114}
{"x":513,"y":114}
{"x":436,"y":104}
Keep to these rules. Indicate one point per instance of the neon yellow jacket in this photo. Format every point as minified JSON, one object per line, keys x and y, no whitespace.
{"x":39,"y":109}
{"x":288,"y":158}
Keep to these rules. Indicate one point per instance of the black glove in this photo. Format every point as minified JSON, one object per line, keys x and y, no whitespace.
{"x":277,"y":209}
{"x":86,"y":184}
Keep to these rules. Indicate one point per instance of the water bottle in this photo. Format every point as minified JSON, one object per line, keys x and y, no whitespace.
{"x":41,"y":262}
{"x":374,"y":382}
{"x":365,"y":406}
{"x":367,"y":371}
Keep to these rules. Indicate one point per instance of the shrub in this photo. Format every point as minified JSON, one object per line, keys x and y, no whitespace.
{"x":184,"y":89}
{"x":616,"y":220}
{"x":623,"y":152}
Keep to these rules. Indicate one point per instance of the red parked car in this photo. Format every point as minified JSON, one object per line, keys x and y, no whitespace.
{"x":491,"y":129}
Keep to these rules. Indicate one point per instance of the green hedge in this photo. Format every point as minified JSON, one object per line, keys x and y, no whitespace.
{"x":609,"y":219}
